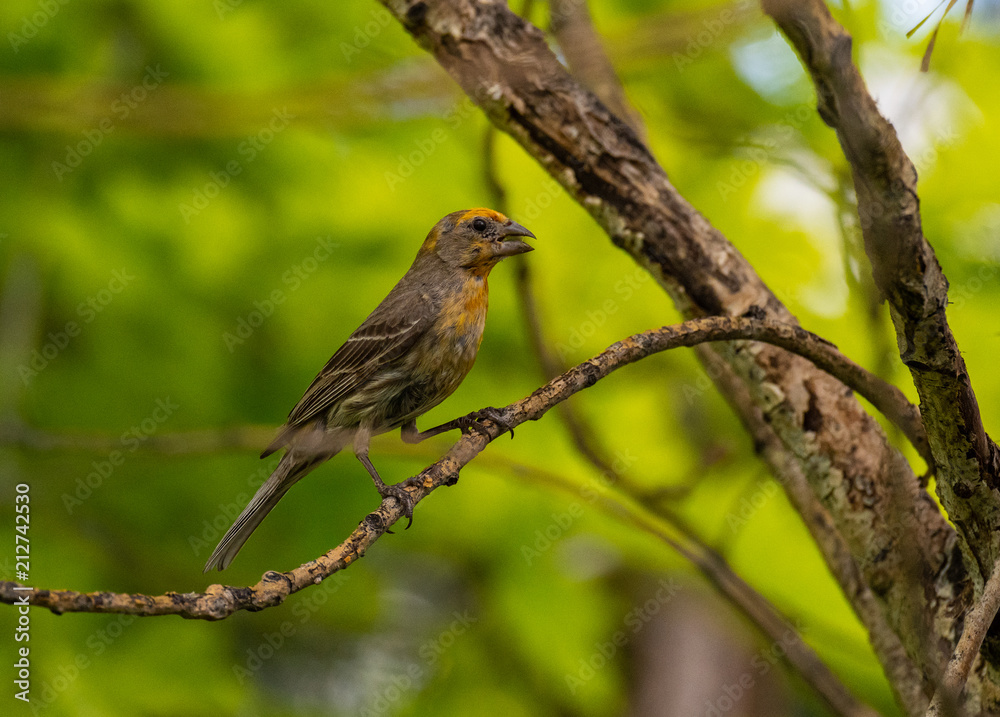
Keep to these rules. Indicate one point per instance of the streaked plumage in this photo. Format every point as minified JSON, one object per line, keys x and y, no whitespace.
{"x":410,"y":354}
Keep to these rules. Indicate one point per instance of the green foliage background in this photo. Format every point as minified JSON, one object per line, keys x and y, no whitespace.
{"x":471,"y":607}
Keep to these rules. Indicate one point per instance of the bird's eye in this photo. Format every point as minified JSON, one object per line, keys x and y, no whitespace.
{"x":479,"y":224}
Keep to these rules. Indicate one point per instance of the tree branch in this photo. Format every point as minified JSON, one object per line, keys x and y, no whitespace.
{"x":220,"y":601}
{"x":744,"y":598}
{"x":907,"y":273}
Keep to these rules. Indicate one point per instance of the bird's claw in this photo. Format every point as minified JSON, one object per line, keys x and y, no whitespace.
{"x":404,"y":499}
{"x":471,"y":422}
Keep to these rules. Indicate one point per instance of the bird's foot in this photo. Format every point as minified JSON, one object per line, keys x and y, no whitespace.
{"x":402,"y":496}
{"x":472,"y":422}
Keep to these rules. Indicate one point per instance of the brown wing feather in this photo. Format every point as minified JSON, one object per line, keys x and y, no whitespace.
{"x":369,"y":348}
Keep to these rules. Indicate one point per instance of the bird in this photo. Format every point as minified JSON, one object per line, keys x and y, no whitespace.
{"x":409,"y":355}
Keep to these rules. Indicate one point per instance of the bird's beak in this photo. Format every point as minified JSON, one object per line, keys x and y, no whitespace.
{"x":510,"y":247}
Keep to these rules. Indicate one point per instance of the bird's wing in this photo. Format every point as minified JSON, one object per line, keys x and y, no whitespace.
{"x":375,"y":343}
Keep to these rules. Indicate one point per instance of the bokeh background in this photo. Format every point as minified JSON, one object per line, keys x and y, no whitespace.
{"x":199,"y":202}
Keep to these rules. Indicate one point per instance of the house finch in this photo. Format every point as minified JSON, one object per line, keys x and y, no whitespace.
{"x":407,"y":357}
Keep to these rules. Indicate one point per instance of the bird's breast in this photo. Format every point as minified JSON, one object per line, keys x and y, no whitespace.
{"x":461,"y":323}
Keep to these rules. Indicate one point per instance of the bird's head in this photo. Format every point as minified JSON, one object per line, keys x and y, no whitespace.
{"x":476,"y":239}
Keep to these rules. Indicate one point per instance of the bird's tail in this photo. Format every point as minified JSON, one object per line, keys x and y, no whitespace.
{"x":290,"y":470}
